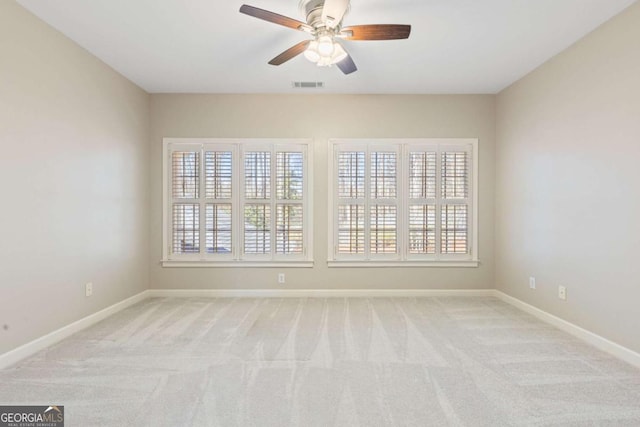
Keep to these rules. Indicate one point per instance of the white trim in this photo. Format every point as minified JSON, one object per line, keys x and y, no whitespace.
{"x":408,"y":263}
{"x":318,"y":293}
{"x":13,"y":356}
{"x":589,"y":337}
{"x":236,"y":264}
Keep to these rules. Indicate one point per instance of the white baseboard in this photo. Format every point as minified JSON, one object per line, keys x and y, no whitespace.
{"x":317,"y":293}
{"x":9,"y":358}
{"x":596,"y":340}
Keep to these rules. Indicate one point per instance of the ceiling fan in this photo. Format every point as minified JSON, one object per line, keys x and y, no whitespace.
{"x":324,"y":23}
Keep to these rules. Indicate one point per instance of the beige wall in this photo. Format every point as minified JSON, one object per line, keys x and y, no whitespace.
{"x":321,"y":117}
{"x":74,"y":174}
{"x":568,"y":180}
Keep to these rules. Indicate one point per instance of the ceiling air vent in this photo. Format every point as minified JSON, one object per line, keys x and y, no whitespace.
{"x":308,"y":85}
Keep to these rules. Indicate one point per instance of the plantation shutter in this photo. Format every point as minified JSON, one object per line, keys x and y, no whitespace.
{"x":289,"y":202}
{"x":185,"y":203}
{"x":218,"y":167}
{"x":257,"y":209}
{"x":454,"y":211}
{"x":227,"y":202}
{"x":274,"y":201}
{"x":367,"y":201}
{"x":403,"y":201}
{"x":422,"y":201}
{"x":351,"y":193}
{"x":383,"y":202}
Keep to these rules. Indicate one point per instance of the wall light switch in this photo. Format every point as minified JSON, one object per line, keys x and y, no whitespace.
{"x":532,"y":282}
{"x":280,"y":277}
{"x":88,"y":289}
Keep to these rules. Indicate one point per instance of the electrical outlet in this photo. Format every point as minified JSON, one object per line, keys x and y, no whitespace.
{"x":532,"y":282}
{"x":281,"y":277}
{"x":562,"y":292}
{"x":88,"y":289}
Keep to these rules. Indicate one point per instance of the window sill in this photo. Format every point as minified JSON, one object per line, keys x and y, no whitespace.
{"x":236,"y":264}
{"x":404,"y":264}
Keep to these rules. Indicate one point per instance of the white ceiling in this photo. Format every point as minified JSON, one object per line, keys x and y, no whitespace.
{"x":207,"y":46}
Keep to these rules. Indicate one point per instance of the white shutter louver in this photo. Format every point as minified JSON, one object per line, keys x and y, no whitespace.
{"x":186,"y":228}
{"x":351,"y":175}
{"x":257,"y":175}
{"x":218,"y":228}
{"x":455,"y":175}
{"x":289,"y":173}
{"x":422,"y":229}
{"x":383,"y":229}
{"x":185,"y":168}
{"x":257,"y":229}
{"x":218,"y":174}
{"x":383,"y":175}
{"x":351,"y":229}
{"x":454,"y":229}
{"x":289,"y":229}
{"x":422,"y":175}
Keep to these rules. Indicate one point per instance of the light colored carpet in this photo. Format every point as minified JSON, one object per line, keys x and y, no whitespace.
{"x":322,"y":362}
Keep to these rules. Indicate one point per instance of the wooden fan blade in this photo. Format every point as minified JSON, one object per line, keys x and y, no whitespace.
{"x":333,"y":11}
{"x":292,"y":52}
{"x":274,"y":17}
{"x":376,"y":32}
{"x":347,"y":65}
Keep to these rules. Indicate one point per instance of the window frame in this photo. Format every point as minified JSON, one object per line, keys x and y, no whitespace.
{"x":237,"y":257}
{"x":402,"y":258}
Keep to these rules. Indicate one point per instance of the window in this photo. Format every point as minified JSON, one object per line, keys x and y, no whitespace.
{"x":403,"y":202}
{"x":236,"y":202}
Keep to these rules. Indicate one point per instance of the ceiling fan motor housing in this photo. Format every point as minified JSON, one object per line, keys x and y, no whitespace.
{"x":312,"y":10}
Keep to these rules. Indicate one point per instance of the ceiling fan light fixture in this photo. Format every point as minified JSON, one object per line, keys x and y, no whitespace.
{"x":325,"y":46}
{"x":324,"y":61}
{"x":311,"y":53}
